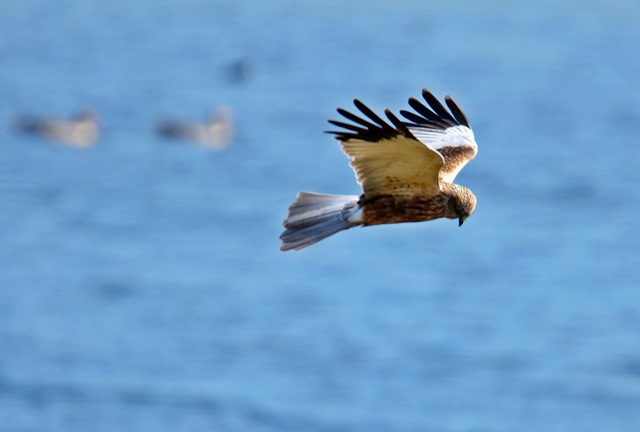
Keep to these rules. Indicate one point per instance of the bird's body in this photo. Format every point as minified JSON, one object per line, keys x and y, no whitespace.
{"x":215,"y":134}
{"x":406,"y":172}
{"x":389,"y":209}
{"x":81,"y":131}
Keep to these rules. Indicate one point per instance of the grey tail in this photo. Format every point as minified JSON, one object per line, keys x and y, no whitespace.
{"x":313,"y":217}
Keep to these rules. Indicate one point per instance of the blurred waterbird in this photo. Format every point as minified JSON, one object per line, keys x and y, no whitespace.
{"x":82,"y":131}
{"x":215,"y":134}
{"x":240,"y":70}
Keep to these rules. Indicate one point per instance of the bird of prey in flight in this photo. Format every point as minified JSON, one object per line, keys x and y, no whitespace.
{"x":405,"y":168}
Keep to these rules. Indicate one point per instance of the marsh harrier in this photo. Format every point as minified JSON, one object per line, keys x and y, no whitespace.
{"x":405,"y":168}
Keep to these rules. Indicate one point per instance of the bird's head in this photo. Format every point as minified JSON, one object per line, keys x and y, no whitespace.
{"x":462,"y":203}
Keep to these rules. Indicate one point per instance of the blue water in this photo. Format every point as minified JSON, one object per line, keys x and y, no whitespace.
{"x":141,"y":285}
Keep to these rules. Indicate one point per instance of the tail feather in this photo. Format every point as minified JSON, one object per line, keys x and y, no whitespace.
{"x":313,"y":217}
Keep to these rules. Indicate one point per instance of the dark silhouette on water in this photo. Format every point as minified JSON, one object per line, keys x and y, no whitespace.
{"x":240,"y":70}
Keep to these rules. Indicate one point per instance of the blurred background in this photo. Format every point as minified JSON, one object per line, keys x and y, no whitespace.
{"x":141,"y":285}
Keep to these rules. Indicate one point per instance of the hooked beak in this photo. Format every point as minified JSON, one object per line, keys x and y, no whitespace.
{"x":461,"y":220}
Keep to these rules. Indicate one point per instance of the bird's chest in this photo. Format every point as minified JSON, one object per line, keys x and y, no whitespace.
{"x":390,"y":209}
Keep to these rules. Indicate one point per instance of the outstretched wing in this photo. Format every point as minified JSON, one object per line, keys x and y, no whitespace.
{"x":387,"y":160}
{"x":447,"y":132}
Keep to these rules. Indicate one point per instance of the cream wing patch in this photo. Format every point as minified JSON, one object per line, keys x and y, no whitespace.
{"x":456,"y":144}
{"x":454,"y":136}
{"x":394,"y":166}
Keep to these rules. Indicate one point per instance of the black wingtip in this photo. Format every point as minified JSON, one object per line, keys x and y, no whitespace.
{"x":434,"y":114}
{"x":457,"y":112}
{"x":437,"y":107}
{"x":430,"y":117}
{"x":401,"y":127}
{"x":369,"y":126}
{"x":369,"y":113}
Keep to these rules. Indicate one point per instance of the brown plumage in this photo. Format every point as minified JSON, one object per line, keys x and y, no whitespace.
{"x":406,"y":171}
{"x":452,"y":202}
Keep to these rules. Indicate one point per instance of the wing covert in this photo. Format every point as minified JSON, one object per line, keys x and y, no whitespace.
{"x":388,"y":160}
{"x":448,"y":133}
